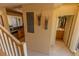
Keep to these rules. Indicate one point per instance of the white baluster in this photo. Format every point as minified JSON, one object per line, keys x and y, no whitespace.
{"x":4,"y":43}
{"x":1,"y":42}
{"x":19,"y":50}
{"x":25,"y":49}
{"x":7,"y":42}
{"x":15,"y":48}
{"x":11,"y":46}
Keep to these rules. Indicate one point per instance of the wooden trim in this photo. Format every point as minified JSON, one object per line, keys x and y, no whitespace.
{"x":13,"y":12}
{"x":9,"y":34}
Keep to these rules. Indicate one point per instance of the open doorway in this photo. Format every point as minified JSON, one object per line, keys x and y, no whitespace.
{"x":61,"y":27}
{"x":64,"y":28}
{"x":63,"y":33}
{"x":16,"y":24}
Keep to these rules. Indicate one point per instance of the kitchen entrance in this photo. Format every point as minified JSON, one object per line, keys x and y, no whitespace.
{"x":16,"y":24}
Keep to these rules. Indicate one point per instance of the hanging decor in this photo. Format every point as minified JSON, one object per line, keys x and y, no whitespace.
{"x":62,"y":22}
{"x":46,"y":23}
{"x":39,"y":19}
{"x":1,"y":21}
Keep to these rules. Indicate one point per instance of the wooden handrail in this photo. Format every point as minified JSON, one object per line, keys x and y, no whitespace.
{"x":10,"y":45}
{"x":9,"y":34}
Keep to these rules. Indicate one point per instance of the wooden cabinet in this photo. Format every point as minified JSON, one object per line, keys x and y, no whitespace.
{"x":59,"y":34}
{"x":16,"y":25}
{"x":21,"y":32}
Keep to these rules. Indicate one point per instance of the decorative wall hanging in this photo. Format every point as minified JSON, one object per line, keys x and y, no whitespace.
{"x":46,"y":23}
{"x":1,"y":21}
{"x":39,"y":19}
{"x":62,"y":22}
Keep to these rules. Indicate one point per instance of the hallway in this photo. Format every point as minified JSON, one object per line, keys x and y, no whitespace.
{"x":60,"y":49}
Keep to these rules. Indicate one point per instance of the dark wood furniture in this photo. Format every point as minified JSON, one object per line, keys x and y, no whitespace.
{"x":18,"y":33}
{"x":59,"y":35}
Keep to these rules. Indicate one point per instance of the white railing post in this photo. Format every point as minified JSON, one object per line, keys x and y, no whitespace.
{"x":25,"y":48}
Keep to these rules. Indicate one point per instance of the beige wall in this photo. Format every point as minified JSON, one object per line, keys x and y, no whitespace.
{"x":4,"y":16}
{"x":40,"y":39}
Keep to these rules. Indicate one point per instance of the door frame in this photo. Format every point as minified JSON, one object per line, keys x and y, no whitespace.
{"x":70,"y":32}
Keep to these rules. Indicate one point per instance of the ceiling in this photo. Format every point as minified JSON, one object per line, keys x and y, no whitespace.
{"x":10,"y":5}
{"x":15,"y":5}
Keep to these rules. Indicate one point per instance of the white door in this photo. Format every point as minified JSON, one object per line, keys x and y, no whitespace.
{"x":37,"y":37}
